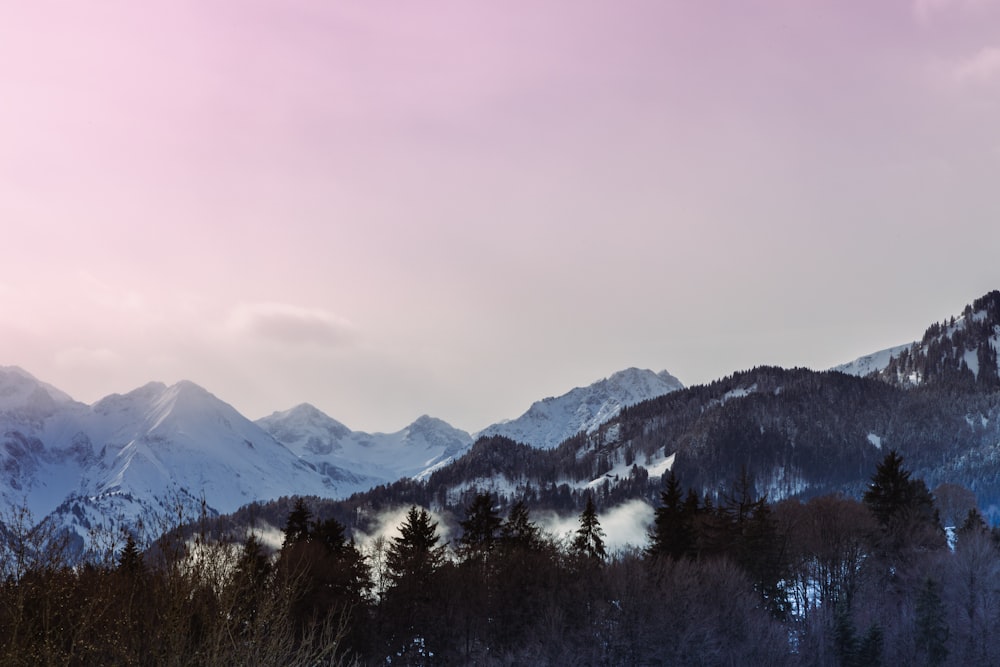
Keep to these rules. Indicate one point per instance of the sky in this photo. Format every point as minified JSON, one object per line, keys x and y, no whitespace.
{"x":454,"y":208}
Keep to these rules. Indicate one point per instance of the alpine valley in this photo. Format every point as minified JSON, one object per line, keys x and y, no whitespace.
{"x":141,"y":460}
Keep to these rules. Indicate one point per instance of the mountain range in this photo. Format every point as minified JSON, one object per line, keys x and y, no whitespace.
{"x":159,"y":454}
{"x":793,"y":433}
{"x":144,"y":460}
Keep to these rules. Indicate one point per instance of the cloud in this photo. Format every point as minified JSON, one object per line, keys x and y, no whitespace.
{"x":386,"y":525}
{"x":286,"y":323}
{"x":926,"y":10}
{"x":980,"y":68}
{"x":268,"y":535}
{"x":625,"y":525}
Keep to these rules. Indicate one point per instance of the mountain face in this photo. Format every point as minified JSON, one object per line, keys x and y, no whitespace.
{"x":140,"y":460}
{"x":553,"y":420}
{"x":136,"y":459}
{"x":428,"y":444}
{"x":955,"y":352}
{"x":795,"y":432}
{"x":959,"y":350}
{"x":379,"y":457}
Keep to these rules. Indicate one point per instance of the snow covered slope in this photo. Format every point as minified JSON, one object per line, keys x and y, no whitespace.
{"x":139,"y":458}
{"x":960,"y":349}
{"x":382,"y":457}
{"x":550,"y":421}
{"x":142,"y":459}
{"x":871,"y":363}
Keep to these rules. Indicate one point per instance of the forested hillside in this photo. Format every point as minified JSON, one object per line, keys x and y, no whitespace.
{"x":738,"y":580}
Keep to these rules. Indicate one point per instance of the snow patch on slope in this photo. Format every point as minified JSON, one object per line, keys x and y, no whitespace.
{"x":872,"y":363}
{"x":549,"y":422}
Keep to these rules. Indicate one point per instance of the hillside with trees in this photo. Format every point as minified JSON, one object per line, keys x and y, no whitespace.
{"x":831,"y":580}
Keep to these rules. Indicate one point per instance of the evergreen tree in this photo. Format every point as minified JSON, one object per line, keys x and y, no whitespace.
{"x":249,"y":580}
{"x":589,"y":540}
{"x":845,"y":641}
{"x":481,"y":528}
{"x":130,"y":559}
{"x":889,"y":491}
{"x":870,"y":650}
{"x":331,"y":534}
{"x":903,"y":507}
{"x":414,"y":555}
{"x":671,"y":535}
{"x":932,"y":626}
{"x":518,"y":531}
{"x":297,"y":526}
{"x":892,"y":493}
{"x":974,"y":524}
{"x":253,"y":566}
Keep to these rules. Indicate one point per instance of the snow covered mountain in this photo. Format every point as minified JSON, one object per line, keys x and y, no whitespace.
{"x":552,"y":420}
{"x":428,"y":443}
{"x":962,"y":348}
{"x":141,"y":458}
{"x":380,"y":457}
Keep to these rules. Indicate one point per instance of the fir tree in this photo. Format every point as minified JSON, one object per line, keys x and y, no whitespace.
{"x":518,"y":531}
{"x":845,"y":641}
{"x":130,"y":559}
{"x":932,"y":626}
{"x":297,"y":526}
{"x":253,"y":565}
{"x":871,"y":647}
{"x":330,"y":534}
{"x":414,"y":555}
{"x":903,"y":507}
{"x":480,"y":528}
{"x":671,"y":532}
{"x":589,"y":540}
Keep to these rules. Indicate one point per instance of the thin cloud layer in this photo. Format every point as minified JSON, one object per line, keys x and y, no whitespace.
{"x":293,"y":325}
{"x":982,"y":68}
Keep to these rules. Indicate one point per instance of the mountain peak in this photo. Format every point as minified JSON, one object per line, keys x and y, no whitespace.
{"x":305,"y":429}
{"x":424,"y":422}
{"x":551,"y":421}
{"x":21,"y":392}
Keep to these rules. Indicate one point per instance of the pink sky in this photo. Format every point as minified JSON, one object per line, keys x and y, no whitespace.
{"x":455,"y":208}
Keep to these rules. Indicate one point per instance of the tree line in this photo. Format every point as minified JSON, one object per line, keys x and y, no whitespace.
{"x":725,"y":578}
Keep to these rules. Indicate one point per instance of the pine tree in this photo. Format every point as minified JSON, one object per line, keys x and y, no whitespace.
{"x":974,"y":524}
{"x":297,"y":526}
{"x":589,"y":540}
{"x":253,"y":565}
{"x":414,"y":555}
{"x":249,"y":580}
{"x":130,"y":559}
{"x":903,"y":507}
{"x":932,"y":625}
{"x":870,"y":650}
{"x":845,"y":641}
{"x":518,"y":531}
{"x":670,"y":535}
{"x":331,"y":534}
{"x":480,"y":529}
{"x":889,"y":491}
